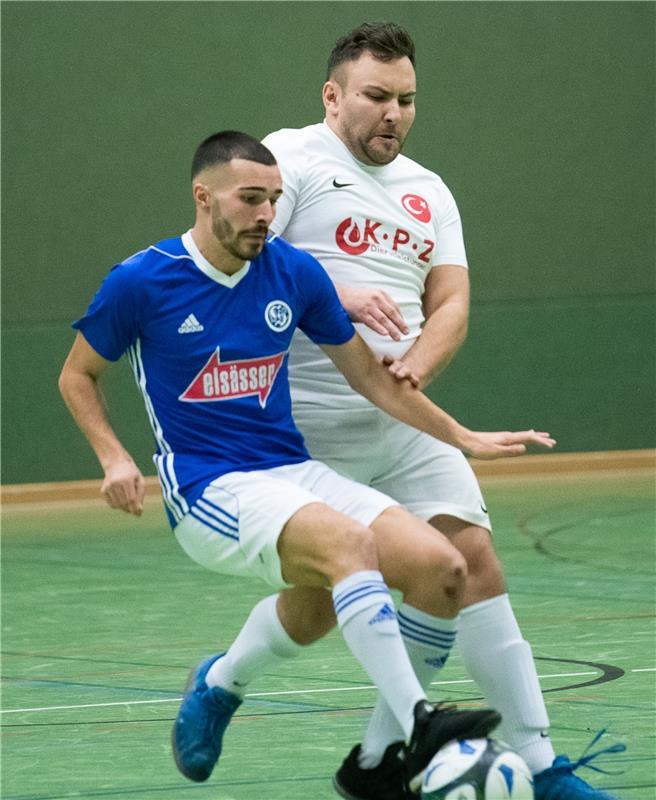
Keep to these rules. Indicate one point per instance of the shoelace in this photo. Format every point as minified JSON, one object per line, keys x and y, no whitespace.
{"x":584,"y":760}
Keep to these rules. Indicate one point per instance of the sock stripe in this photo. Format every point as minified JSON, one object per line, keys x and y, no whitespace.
{"x":413,"y":622}
{"x":344,"y":595}
{"x":425,"y":640}
{"x":345,"y":599}
{"x":423,"y":633}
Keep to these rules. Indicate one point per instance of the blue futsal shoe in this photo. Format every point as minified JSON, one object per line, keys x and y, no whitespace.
{"x":202,"y":719}
{"x":559,"y":782}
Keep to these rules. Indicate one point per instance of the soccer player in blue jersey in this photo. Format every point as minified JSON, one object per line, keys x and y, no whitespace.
{"x":206,"y":319}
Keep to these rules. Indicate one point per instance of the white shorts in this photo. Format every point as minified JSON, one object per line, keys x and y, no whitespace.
{"x":234,"y":526}
{"x":425,"y":475}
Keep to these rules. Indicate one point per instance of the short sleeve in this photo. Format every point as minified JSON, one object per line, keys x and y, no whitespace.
{"x":450,"y":248}
{"x":289,"y":162}
{"x":110,"y":324}
{"x":324,"y":319}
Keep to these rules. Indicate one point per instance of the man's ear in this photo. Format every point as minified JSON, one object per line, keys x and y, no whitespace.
{"x":201,"y":194}
{"x":331,"y":95}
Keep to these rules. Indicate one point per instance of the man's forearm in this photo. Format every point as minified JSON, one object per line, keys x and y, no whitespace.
{"x":442,"y":336}
{"x":84,"y":399}
{"x":398,"y":398}
{"x":410,"y":405}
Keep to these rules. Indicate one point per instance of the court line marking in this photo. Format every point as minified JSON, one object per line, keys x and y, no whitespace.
{"x":289,"y":692}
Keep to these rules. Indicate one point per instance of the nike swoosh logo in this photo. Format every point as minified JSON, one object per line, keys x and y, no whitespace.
{"x":340,"y":185}
{"x":483,"y":509}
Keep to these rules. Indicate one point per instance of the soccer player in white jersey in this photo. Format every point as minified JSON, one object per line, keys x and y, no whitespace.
{"x":388,"y":232}
{"x":207,"y":319}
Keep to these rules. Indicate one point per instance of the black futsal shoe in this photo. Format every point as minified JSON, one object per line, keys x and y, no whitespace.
{"x":384,"y":782}
{"x":435,"y":725}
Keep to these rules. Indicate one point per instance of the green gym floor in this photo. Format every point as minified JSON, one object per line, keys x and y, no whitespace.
{"x":103,"y":616}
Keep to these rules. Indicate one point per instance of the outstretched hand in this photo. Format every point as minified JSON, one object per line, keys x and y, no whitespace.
{"x":504,"y":444}
{"x":375,"y":309}
{"x":124,"y":487}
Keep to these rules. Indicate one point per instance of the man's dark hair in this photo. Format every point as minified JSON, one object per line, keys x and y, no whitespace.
{"x":224,"y":146}
{"x":384,"y":40}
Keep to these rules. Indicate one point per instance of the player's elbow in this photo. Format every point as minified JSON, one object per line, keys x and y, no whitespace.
{"x":65,"y":382}
{"x":71,"y":381}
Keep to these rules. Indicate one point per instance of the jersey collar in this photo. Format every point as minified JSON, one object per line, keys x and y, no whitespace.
{"x":229,"y":281}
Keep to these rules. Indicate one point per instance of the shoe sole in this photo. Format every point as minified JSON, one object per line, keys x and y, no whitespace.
{"x":342,"y":791}
{"x":485,"y":727}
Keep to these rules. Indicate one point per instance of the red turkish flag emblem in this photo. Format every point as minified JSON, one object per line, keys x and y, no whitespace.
{"x":232,"y":379}
{"x":417,"y":207}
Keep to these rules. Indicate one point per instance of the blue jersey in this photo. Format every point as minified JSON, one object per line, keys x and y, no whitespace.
{"x":209,"y":354}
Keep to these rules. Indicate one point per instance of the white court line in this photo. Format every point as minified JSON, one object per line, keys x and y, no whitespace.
{"x":279,"y":694}
{"x":259,"y":694}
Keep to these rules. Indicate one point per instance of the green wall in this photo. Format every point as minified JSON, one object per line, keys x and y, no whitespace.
{"x":539,"y":116}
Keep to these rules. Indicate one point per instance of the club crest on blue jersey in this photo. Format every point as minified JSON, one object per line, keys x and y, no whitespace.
{"x":278,"y":315}
{"x":229,"y":380}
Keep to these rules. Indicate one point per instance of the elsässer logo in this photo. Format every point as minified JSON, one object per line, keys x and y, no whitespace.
{"x":233,"y":379}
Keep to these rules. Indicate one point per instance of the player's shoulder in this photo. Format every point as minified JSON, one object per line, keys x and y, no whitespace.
{"x":424,"y":181}
{"x":411,"y":168}
{"x":139,"y":266}
{"x":294,"y":141}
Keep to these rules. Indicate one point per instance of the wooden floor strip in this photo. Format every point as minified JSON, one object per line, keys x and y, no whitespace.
{"x":550,"y":464}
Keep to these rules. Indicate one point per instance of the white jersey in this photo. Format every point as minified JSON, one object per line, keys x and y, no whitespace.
{"x":382,"y":227}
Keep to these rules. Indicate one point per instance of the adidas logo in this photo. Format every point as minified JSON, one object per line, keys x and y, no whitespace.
{"x":385,"y":613}
{"x":191,"y":325}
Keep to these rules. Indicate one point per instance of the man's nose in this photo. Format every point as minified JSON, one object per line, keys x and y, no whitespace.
{"x":392,"y":111}
{"x":266,"y":212}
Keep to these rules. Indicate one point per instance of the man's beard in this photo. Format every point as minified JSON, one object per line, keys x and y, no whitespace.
{"x":225,"y":234}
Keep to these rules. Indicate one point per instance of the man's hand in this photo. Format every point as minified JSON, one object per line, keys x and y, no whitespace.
{"x":375,"y":309}
{"x":503,"y":444}
{"x":400,"y":370}
{"x":124,"y":487}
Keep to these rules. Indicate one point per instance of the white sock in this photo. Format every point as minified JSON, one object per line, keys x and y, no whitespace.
{"x":428,"y":640}
{"x":367,"y":620}
{"x":501,"y":662}
{"x":262,"y":643}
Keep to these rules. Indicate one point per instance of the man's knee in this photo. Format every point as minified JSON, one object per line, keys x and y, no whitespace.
{"x":449,"y":567}
{"x":484,"y":571}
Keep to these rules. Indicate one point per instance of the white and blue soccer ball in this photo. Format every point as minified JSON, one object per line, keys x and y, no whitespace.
{"x":477,"y":769}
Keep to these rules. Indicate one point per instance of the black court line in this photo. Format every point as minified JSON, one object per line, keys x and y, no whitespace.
{"x":132,"y":791}
{"x":540,"y":539}
{"x":608,"y":673}
{"x":218,"y":785}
